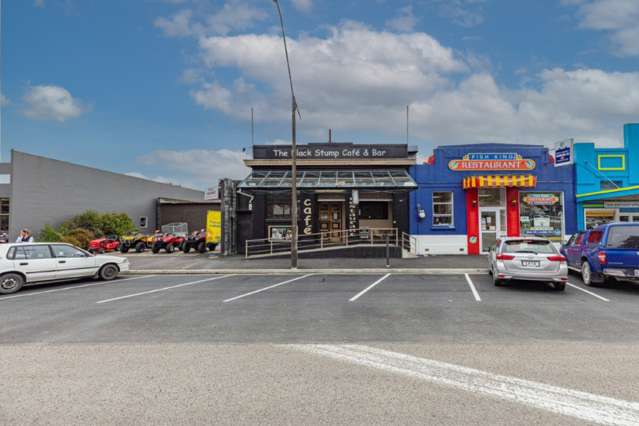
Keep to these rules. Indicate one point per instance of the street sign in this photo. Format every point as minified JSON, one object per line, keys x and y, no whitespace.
{"x":562,"y":151}
{"x":212,"y":193}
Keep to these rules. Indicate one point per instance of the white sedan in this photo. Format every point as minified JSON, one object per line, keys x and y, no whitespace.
{"x":27,"y":263}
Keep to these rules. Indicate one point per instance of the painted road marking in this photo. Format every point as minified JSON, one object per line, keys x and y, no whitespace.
{"x":589,"y":292}
{"x":157,"y":290}
{"x":361,"y":293}
{"x":55,"y":290}
{"x":581,"y":405}
{"x":472,"y":288}
{"x":266,"y":288}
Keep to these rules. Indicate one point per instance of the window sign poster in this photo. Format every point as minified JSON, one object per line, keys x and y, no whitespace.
{"x":279,"y":233}
{"x":541,"y":215}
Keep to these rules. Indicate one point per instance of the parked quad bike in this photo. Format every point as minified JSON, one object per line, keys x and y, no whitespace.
{"x":198,"y":241}
{"x":104,"y":245}
{"x":168,"y":243}
{"x":138,"y":242}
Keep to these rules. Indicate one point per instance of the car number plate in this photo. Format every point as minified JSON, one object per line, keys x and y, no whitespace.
{"x":530,"y":263}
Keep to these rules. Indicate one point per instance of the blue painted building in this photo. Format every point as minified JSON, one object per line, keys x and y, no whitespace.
{"x":607,"y":181}
{"x":469,"y":195}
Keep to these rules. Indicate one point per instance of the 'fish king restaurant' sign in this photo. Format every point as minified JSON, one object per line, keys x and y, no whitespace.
{"x":502,"y":161}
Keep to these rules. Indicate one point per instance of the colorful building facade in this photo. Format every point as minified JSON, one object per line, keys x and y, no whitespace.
{"x":468,"y":196}
{"x":607,"y":181}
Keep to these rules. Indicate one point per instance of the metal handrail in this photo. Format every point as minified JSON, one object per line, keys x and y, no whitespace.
{"x":323,"y":240}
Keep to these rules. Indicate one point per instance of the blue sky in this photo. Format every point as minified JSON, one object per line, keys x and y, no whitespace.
{"x":163,"y":88}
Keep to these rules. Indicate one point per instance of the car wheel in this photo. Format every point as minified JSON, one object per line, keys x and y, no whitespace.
{"x":186,"y":248}
{"x":559,"y":286}
{"x":10,"y":283}
{"x":155,"y":250}
{"x":140,"y":247}
{"x":211,"y":246}
{"x":201,"y":247}
{"x":170,"y":248}
{"x":586,"y":274}
{"x":108,"y":272}
{"x":124,"y":248}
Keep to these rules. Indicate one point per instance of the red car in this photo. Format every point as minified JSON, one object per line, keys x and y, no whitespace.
{"x":168,"y":242}
{"x":104,"y":244}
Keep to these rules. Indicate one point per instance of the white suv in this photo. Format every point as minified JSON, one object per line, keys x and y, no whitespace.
{"x":26,"y":263}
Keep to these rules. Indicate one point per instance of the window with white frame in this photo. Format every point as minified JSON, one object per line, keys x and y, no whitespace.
{"x":443,"y":209}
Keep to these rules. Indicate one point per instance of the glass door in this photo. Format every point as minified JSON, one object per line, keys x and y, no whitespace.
{"x":330,"y":220}
{"x":491,"y":227}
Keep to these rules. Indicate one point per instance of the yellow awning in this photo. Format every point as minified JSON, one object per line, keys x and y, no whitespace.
{"x":519,"y":181}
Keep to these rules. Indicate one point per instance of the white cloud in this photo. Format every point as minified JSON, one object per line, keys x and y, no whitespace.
{"x":354,"y":67}
{"x":52,"y":103}
{"x":179,"y":25}
{"x":405,"y":20}
{"x":200,"y":167}
{"x":466,"y":13}
{"x":4,"y":101}
{"x":38,"y":3}
{"x":356,"y":79}
{"x":234,"y":15}
{"x":303,"y":5}
{"x":617,"y":17}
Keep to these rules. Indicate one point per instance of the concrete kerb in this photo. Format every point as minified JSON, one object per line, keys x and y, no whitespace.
{"x":322,"y":271}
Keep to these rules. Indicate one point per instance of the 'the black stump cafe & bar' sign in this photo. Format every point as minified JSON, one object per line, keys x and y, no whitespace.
{"x":332,"y":151}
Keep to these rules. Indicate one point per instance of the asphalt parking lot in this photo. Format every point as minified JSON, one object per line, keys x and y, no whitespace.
{"x":258,"y":338}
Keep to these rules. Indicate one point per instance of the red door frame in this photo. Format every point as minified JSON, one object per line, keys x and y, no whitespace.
{"x":472,"y":221}
{"x":513,"y":224}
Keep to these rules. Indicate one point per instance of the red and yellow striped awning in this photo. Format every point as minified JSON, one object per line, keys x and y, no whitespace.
{"x":519,"y":181}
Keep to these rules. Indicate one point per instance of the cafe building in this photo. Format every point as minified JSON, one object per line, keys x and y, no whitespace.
{"x":342,"y":187}
{"x":607,"y":181}
{"x":468,"y":196}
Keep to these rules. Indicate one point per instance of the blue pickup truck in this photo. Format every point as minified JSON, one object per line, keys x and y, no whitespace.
{"x":607,"y":253}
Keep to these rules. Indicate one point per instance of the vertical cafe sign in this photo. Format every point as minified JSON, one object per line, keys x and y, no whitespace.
{"x":307,"y":214}
{"x":353,"y":222}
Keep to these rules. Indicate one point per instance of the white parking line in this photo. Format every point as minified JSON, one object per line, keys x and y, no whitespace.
{"x":361,"y":293}
{"x":589,"y":292}
{"x":472,"y":288}
{"x":142,"y":293}
{"x":266,"y":288}
{"x":55,"y":290}
{"x":570,"y":402}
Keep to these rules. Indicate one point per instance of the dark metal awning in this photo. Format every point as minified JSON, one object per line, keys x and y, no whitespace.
{"x":327,"y":179}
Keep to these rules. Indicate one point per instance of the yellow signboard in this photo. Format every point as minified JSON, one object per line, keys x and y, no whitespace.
{"x":213,"y":226}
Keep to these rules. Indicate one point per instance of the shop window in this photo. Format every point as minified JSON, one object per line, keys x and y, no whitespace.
{"x":278,"y":208}
{"x":610,"y":184}
{"x":596,"y":217}
{"x":442,"y":209}
{"x":541,"y":215}
{"x":492,"y":198}
{"x":4,"y":214}
{"x":279,"y":233}
{"x":373,"y":210}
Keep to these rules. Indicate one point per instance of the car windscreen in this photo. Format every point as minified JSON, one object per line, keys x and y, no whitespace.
{"x":529,"y":246}
{"x":625,"y":237}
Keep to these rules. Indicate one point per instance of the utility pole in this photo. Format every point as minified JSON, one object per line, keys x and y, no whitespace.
{"x":407,"y":121}
{"x":294,"y":111}
{"x":252,"y":127}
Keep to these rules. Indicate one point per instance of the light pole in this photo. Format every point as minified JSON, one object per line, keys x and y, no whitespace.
{"x":294,"y":111}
